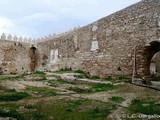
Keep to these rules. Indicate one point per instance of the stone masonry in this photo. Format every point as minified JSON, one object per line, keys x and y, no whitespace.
{"x":120,"y":44}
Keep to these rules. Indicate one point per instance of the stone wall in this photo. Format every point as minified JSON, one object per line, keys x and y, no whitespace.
{"x":14,"y":57}
{"x":116,"y":45}
{"x":105,"y":47}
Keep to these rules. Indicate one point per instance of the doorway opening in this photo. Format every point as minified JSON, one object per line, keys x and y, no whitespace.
{"x":33,"y":53}
{"x":153,"y":59}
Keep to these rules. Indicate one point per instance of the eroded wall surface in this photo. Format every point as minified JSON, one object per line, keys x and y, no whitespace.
{"x":14,"y":57}
{"x":105,"y":47}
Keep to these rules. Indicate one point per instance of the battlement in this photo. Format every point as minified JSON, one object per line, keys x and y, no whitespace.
{"x":34,"y":41}
{"x":54,"y":35}
{"x":15,"y":38}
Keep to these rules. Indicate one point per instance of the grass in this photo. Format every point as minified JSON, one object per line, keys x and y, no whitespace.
{"x":98,"y":87}
{"x":117,"y":99}
{"x":14,"y":96}
{"x":125,"y":79}
{"x":80,"y":90}
{"x":59,"y":80}
{"x":9,"y":106}
{"x":12,"y":114}
{"x":70,"y":110}
{"x":10,"y":77}
{"x":42,"y":91}
{"x":65,"y":70}
{"x":144,"y":107}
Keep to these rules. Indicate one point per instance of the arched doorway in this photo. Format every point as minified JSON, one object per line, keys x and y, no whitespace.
{"x":33,"y":53}
{"x":150,"y":60}
{"x":155,"y":65}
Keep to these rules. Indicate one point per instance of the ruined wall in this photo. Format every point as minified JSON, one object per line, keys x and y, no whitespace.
{"x":14,"y":57}
{"x":105,"y":47}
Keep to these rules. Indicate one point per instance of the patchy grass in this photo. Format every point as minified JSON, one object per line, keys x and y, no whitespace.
{"x":117,"y":99}
{"x":11,"y":110}
{"x":11,"y":113}
{"x":59,"y":80}
{"x":14,"y":96}
{"x":11,"y":77}
{"x":70,"y":110}
{"x":80,"y":90}
{"x":39,"y":72}
{"x":41,"y":91}
{"x":124,"y":79}
{"x":8,"y":106}
{"x":98,"y":87}
{"x":65,"y":70}
{"x":29,"y":106}
{"x":144,"y":107}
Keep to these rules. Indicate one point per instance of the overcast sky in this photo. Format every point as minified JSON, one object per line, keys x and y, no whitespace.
{"x":37,"y":18}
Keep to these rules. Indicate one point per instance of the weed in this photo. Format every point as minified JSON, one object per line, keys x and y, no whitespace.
{"x":80,"y":90}
{"x":38,"y":72}
{"x":59,"y":80}
{"x":125,"y":79}
{"x":117,"y":99}
{"x":29,"y":106}
{"x":14,"y":96}
{"x":64,"y":70}
{"x":11,"y":113}
{"x":99,"y":113}
{"x":144,"y":107}
{"x":98,"y":87}
{"x":70,"y":110}
{"x":43,"y":91}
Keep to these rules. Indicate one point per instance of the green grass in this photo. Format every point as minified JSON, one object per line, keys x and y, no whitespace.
{"x":11,"y":113}
{"x":39,"y":72}
{"x":65,"y":70}
{"x":80,"y":90}
{"x":117,"y":99}
{"x":98,"y":87}
{"x":124,"y":79}
{"x":42,"y":91}
{"x":9,"y":106}
{"x":70,"y":110}
{"x":59,"y":80}
{"x":144,"y":107}
{"x":13,"y":96}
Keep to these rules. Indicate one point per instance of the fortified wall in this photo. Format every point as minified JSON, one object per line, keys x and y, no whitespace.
{"x":119,"y":44}
{"x":17,"y":55}
{"x":122,"y":43}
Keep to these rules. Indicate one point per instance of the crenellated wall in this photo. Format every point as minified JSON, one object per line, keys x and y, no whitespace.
{"x":122,"y":43}
{"x":105,"y":47}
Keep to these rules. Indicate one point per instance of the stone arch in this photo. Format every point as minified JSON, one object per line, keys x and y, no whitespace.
{"x":144,"y":56}
{"x":151,"y":50}
{"x":34,"y":56}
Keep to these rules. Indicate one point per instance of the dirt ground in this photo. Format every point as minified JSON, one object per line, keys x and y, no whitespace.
{"x":66,"y":90}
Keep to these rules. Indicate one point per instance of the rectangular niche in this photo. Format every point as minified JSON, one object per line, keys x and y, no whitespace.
{"x":54,"y":55}
{"x":94,"y":45}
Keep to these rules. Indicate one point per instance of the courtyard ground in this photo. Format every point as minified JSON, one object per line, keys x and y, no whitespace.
{"x":73,"y":95}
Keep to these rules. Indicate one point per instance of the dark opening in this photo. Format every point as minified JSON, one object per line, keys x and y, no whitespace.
{"x":151,"y":53}
{"x":34,"y":58}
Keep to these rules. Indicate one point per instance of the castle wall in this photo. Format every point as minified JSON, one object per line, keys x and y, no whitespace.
{"x":14,"y":57}
{"x":105,"y":47}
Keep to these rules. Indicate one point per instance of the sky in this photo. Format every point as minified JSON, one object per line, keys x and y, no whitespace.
{"x":38,"y":18}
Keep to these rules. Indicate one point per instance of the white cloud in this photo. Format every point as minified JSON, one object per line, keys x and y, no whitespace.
{"x":37,"y":17}
{"x":5,"y":24}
